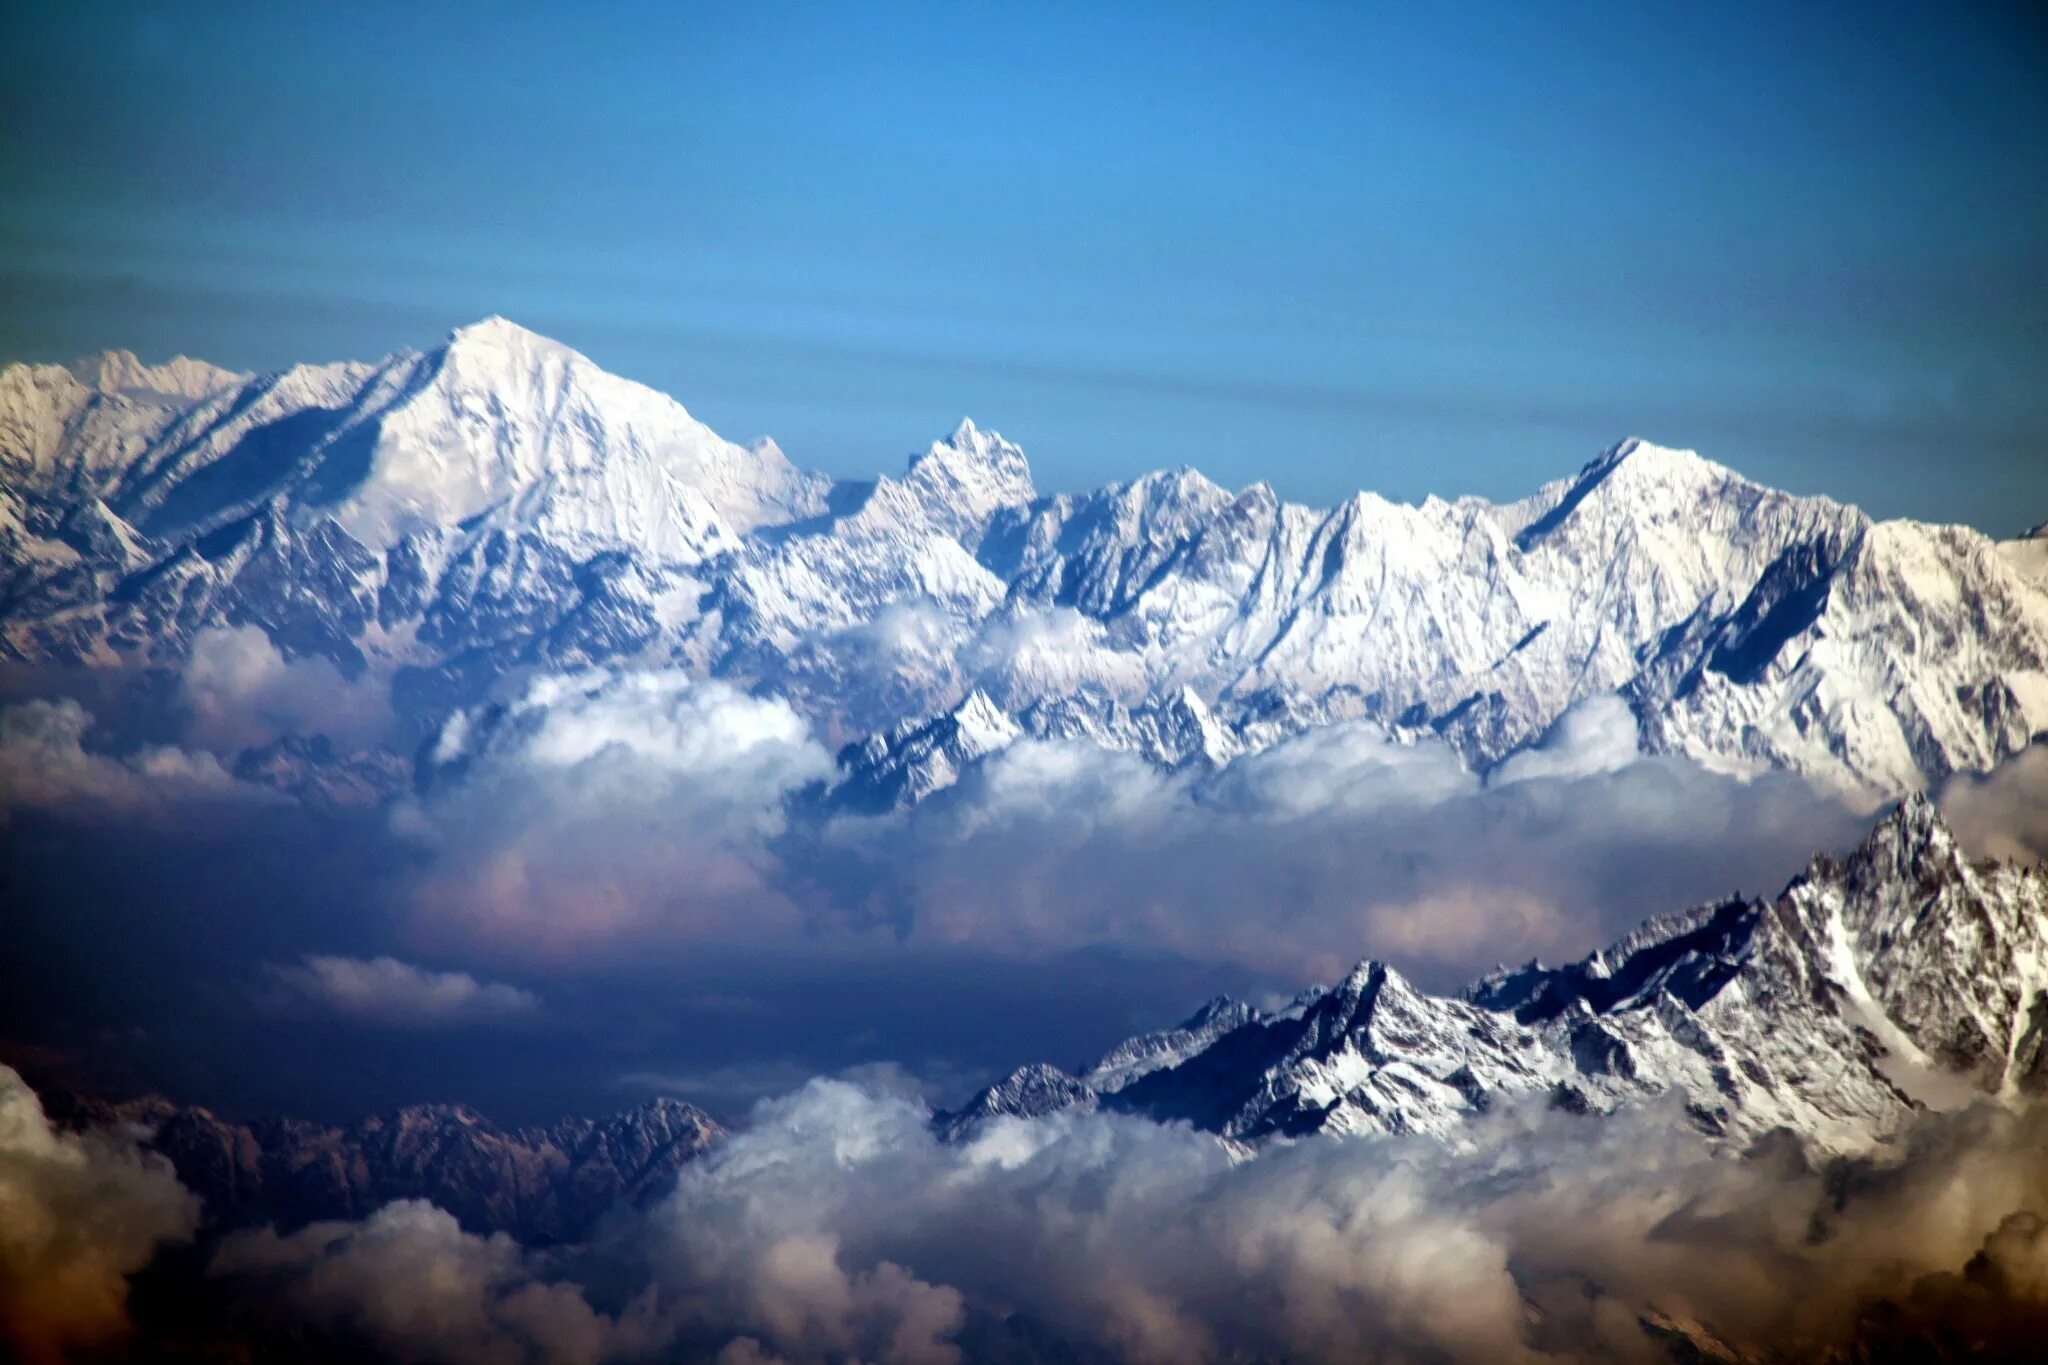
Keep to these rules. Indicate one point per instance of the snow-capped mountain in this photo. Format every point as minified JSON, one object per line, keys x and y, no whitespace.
{"x":438,"y":521}
{"x":1903,"y":976}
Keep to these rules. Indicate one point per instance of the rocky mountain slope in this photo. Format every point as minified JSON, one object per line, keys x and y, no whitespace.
{"x":541,"y":1185}
{"x":1903,"y":976}
{"x":438,"y":520}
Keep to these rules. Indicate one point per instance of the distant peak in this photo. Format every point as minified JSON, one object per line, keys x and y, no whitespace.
{"x":1260,"y":494}
{"x":501,"y":334}
{"x":497,"y":324}
{"x":988,"y":470}
{"x":122,"y":371}
{"x":1636,"y":450}
{"x":1216,"y":1007}
{"x":969,"y":439}
{"x":1625,"y":469}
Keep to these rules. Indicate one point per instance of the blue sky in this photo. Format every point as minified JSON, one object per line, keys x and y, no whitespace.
{"x":1420,"y":249}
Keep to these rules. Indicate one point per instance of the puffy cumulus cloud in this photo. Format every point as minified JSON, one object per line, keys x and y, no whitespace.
{"x":614,"y":812}
{"x":611,"y":807}
{"x":409,"y":1283}
{"x":2003,"y":813}
{"x":837,"y":1226}
{"x":239,"y":690}
{"x":602,"y":816}
{"x":386,"y":991}
{"x":1599,"y":735}
{"x":1549,"y":1237}
{"x":45,"y":764}
{"x":1335,"y":844}
{"x":79,"y":1214}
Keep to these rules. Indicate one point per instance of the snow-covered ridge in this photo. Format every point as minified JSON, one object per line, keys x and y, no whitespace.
{"x":442,"y":520}
{"x":1904,"y":976}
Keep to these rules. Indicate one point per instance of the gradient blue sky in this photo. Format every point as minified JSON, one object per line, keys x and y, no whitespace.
{"x":1415,"y":248}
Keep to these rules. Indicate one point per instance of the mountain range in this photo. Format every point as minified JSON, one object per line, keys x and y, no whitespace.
{"x":544,"y":1184}
{"x":444,"y":526}
{"x":1902,"y":977}
{"x":441,"y":522}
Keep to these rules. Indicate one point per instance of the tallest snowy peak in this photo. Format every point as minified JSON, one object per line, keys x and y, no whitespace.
{"x":497,"y":342}
{"x":501,"y":420}
{"x":500,"y":331}
{"x":1648,"y":461}
{"x":970,"y":441}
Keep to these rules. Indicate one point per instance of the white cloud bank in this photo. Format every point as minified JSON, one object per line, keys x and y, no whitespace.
{"x":605,"y":808}
{"x":836,"y":1227}
{"x":1333,"y":845}
{"x":612,"y":814}
{"x":238,"y":690}
{"x":615,"y":812}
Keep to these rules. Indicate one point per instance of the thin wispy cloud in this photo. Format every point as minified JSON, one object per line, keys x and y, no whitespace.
{"x":385,"y":991}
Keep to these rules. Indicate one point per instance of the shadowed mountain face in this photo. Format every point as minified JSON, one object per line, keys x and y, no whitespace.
{"x":541,"y":1185}
{"x":435,"y":522}
{"x":1901,"y":978}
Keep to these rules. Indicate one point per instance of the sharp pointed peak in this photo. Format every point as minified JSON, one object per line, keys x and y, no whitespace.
{"x":1368,"y":973}
{"x":1911,"y":838}
{"x":1917,"y":819}
{"x":969,"y":438}
{"x":978,"y":720}
{"x":988,"y":470}
{"x":977,"y":702}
